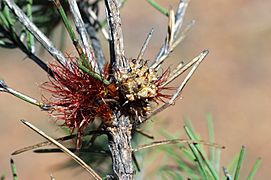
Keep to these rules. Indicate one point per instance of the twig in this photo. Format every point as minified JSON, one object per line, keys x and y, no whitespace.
{"x":144,"y":133}
{"x":64,"y":149}
{"x":181,"y":69}
{"x":189,"y":75}
{"x":10,"y":33}
{"x":175,"y":141}
{"x":95,"y":18}
{"x":82,"y":150}
{"x":179,"y":16}
{"x":119,"y":143}
{"x":5,"y":88}
{"x":71,"y":33}
{"x":80,"y":27}
{"x":47,"y":143}
{"x":143,"y":48}
{"x":174,"y":25}
{"x":117,"y":58}
{"x":89,"y":21}
{"x":47,"y":44}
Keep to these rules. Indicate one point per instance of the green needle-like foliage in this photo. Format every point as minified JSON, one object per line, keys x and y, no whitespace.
{"x":239,"y":163}
{"x":158,"y":7}
{"x":13,"y":170}
{"x":254,"y":169}
{"x":192,"y":161}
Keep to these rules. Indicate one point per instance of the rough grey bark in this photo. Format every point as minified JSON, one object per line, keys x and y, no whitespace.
{"x":117,"y":57}
{"x":120,"y":133}
{"x":121,"y":149}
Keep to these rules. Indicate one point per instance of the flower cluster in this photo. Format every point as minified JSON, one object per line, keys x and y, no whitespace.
{"x":78,"y":98}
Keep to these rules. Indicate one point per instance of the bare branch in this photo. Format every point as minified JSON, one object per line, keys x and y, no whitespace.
{"x":181,"y":69}
{"x":174,"y":26}
{"x":64,"y":149}
{"x":80,"y":27}
{"x":117,"y":58}
{"x":89,"y":17}
{"x":179,"y":16}
{"x":142,"y":50}
{"x":119,"y":143}
{"x":47,"y":44}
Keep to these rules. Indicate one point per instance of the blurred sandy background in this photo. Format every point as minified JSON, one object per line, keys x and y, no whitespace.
{"x":233,"y":84}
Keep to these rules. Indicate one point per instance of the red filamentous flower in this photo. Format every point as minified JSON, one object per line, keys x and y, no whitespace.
{"x":77,"y":98}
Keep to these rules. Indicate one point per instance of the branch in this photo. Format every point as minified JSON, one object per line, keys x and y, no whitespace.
{"x":9,"y":32}
{"x":80,"y":27}
{"x":117,"y":58}
{"x":142,"y":50}
{"x":119,"y":143}
{"x":174,"y":25}
{"x":47,"y":44}
{"x":89,"y":17}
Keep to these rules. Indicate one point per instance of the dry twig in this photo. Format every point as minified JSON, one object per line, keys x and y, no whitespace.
{"x":47,"y":44}
{"x":64,"y":149}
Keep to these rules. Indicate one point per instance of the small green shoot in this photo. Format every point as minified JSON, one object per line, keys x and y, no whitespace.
{"x":158,"y":7}
{"x":239,"y":163}
{"x":254,"y":169}
{"x":13,"y":170}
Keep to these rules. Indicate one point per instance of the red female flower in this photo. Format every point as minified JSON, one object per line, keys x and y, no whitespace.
{"x":77,"y":98}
